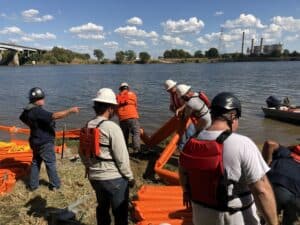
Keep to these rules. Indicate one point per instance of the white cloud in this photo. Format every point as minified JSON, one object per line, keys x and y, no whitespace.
{"x":137,"y":43}
{"x":286,"y":23}
{"x":91,"y":36}
{"x":292,"y":38}
{"x":11,"y":30}
{"x":193,"y":25}
{"x":176,"y":41}
{"x":111,"y":44}
{"x":3,"y":15}
{"x":32,"y":15}
{"x":244,"y":20}
{"x":219,"y":13}
{"x":135,"y":21}
{"x":35,"y":36}
{"x":134,"y":32}
{"x":88,"y":31}
{"x":89,"y":27}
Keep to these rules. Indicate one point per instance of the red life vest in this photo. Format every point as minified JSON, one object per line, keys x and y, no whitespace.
{"x":89,"y":141}
{"x":295,"y":154}
{"x":203,"y":161}
{"x":204,"y":98}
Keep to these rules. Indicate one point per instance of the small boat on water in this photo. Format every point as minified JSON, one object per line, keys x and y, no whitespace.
{"x":291,"y":115}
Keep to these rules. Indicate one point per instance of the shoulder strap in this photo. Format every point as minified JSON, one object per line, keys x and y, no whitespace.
{"x":98,"y":125}
{"x":223,"y":136}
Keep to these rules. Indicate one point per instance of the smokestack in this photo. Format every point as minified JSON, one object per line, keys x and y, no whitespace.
{"x":243,"y":40}
{"x":261,"y":45}
{"x":252,"y":45}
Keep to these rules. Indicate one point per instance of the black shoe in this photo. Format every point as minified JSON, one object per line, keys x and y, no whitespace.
{"x":28,"y":188}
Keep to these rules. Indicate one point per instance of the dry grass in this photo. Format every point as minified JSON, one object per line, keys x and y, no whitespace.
{"x":28,"y":208}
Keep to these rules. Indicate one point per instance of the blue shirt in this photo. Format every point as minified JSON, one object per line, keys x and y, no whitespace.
{"x":42,"y":126}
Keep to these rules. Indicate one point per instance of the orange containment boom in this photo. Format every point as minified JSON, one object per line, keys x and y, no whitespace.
{"x":15,"y":160}
{"x":165,"y":131}
{"x":161,"y":204}
{"x":74,"y":133}
{"x":168,"y":176}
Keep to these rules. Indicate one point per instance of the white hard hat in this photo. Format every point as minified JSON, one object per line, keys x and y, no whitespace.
{"x":170,"y":84}
{"x":124,"y":84}
{"x":106,"y":95}
{"x":182,"y":89}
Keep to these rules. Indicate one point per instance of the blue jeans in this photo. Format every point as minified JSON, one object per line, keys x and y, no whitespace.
{"x":115,"y":194}
{"x":289,"y":203}
{"x":44,"y":153}
{"x":190,"y":131}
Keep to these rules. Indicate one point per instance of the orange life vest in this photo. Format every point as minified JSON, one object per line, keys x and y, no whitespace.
{"x":208,"y":181}
{"x":127,"y":105}
{"x":89,"y":141}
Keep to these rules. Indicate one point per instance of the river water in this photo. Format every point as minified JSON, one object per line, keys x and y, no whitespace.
{"x":76,"y":85}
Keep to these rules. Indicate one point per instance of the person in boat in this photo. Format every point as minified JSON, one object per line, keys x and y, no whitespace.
{"x":109,"y":172}
{"x":192,"y":103}
{"x":222,"y":173}
{"x":42,"y":137}
{"x":175,"y":101}
{"x":285,"y":178}
{"x":128,"y":115}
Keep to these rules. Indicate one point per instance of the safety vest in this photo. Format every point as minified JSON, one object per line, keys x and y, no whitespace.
{"x":208,"y":181}
{"x":89,"y":141}
{"x":127,"y":105}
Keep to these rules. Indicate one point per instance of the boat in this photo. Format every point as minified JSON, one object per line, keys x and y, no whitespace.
{"x":290,"y":115}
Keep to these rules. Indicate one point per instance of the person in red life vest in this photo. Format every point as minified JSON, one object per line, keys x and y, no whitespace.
{"x":175,"y":101}
{"x":128,"y":115}
{"x":42,"y":137}
{"x":109,"y":172}
{"x":285,"y":178}
{"x":223,"y":173}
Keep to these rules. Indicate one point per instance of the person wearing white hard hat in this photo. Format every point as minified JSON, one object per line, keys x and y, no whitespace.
{"x":109,"y":173}
{"x":128,"y":115}
{"x":193,"y":103}
{"x":175,"y":102}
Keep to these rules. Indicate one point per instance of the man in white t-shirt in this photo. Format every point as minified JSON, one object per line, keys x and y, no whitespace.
{"x":244,"y":167}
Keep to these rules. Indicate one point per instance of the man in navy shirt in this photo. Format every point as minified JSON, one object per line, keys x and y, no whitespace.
{"x":285,"y":178}
{"x":42,"y":137}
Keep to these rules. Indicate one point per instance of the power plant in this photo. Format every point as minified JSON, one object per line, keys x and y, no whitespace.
{"x":261,"y":49}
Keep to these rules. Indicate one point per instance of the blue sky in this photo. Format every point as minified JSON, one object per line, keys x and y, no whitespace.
{"x":153,"y":26}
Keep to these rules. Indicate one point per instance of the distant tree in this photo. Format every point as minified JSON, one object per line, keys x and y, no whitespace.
{"x":295,"y":54}
{"x":144,"y":57}
{"x":130,"y":55}
{"x":212,"y":53}
{"x":198,"y":54}
{"x":120,"y":57}
{"x":167,"y":54}
{"x":286,"y":52}
{"x":98,"y":54}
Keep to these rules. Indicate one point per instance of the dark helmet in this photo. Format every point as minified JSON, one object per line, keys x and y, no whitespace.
{"x":224,"y":102}
{"x":35,"y":94}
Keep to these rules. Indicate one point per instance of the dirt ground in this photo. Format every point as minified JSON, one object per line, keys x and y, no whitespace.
{"x":43,"y":206}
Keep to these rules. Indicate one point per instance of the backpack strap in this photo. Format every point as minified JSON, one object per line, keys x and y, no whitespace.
{"x":103,"y":145}
{"x":223,"y":136}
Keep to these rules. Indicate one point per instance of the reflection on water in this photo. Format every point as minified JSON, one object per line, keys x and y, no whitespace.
{"x":66,"y":86}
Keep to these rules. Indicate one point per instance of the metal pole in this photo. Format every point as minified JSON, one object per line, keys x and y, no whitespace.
{"x":63,"y":142}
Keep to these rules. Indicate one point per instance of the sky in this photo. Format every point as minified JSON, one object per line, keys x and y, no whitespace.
{"x":152,"y":26}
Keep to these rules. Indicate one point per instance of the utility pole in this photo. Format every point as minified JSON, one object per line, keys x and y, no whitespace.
{"x":243,"y":41}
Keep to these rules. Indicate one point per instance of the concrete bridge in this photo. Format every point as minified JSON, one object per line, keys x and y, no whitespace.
{"x":15,"y":51}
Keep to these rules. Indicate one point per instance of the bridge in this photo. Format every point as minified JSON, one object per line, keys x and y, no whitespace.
{"x":15,"y":51}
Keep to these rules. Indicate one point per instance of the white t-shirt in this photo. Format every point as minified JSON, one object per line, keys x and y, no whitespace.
{"x":244,"y":164}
